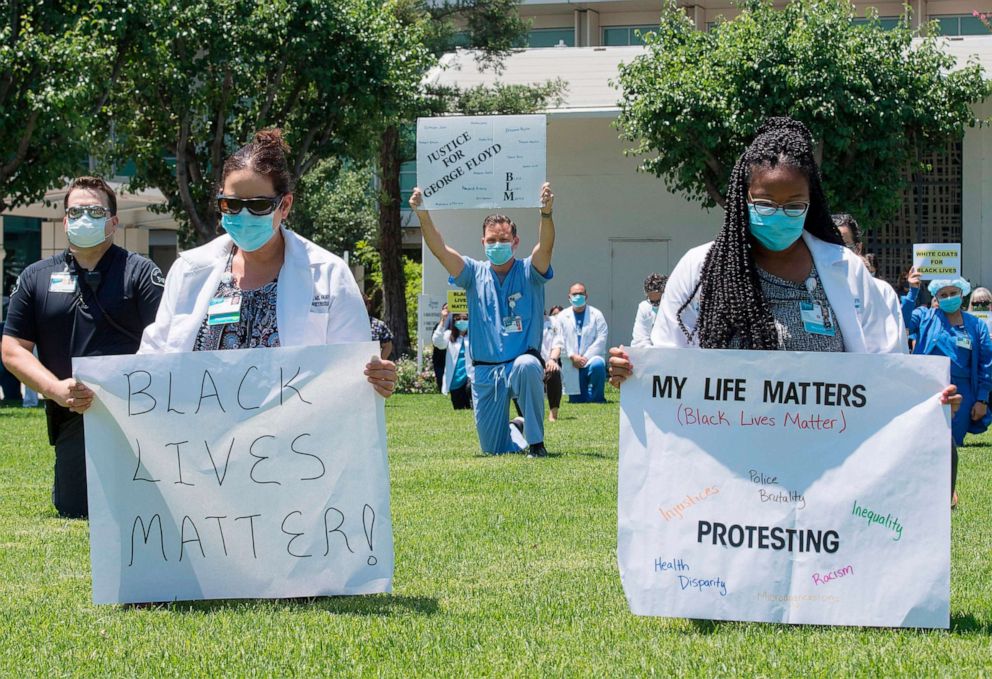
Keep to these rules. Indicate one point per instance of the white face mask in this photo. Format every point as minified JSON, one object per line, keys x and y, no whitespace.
{"x":86,"y":232}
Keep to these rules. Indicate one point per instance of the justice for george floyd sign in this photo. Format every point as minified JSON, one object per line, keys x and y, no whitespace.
{"x":483,"y":162}
{"x":786,"y":487}
{"x":259,"y":473}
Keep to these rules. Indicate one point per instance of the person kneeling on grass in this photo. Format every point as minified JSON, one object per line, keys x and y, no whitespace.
{"x":453,"y":339}
{"x":505,"y":315}
{"x":778,"y":276}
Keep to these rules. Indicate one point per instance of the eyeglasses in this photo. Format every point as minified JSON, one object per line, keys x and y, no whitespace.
{"x":261,"y":205}
{"x":768,"y":207}
{"x":982,"y":305}
{"x":94,"y":211}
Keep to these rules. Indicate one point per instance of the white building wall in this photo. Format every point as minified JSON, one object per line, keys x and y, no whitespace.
{"x":614,"y":225}
{"x":976,"y":246}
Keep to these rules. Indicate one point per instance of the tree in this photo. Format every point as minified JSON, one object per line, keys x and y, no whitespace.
{"x":57,"y":60}
{"x":336,"y":205}
{"x":207,"y":74}
{"x":874,"y":101}
{"x":491,"y":28}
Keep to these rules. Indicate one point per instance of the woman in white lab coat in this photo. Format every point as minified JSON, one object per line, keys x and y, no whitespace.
{"x":458,"y":372}
{"x":261,"y":285}
{"x":778,"y":275}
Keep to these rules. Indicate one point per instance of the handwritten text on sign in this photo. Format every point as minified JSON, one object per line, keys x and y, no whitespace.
{"x":937,"y":260}
{"x":481,"y":161}
{"x":785,"y":487}
{"x":232,"y":474}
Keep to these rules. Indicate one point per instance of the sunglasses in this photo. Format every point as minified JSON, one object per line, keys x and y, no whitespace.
{"x":982,"y":305}
{"x":94,"y":211}
{"x":261,"y":205}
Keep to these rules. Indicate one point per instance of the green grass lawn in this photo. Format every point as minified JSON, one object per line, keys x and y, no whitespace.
{"x":504,"y":566}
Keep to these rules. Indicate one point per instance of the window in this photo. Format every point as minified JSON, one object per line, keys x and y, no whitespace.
{"x":408,"y":180}
{"x":550,"y":37}
{"x":616,"y":36}
{"x":22,"y":240}
{"x":885,"y":23}
{"x":964,"y":24}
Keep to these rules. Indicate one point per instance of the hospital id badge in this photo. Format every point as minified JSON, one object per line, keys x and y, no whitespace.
{"x":814,"y":321}
{"x":963,"y":342}
{"x":62,"y":282}
{"x":224,"y":310}
{"x":512,"y":324}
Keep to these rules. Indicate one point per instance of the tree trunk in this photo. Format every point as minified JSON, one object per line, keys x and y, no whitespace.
{"x":391,"y":241}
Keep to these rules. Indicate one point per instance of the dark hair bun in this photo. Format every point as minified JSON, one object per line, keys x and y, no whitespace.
{"x":271,"y":137}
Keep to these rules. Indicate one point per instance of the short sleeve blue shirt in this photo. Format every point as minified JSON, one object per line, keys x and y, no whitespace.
{"x":491,"y":302}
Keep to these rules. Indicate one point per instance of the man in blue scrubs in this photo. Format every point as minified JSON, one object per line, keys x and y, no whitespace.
{"x":506,"y":323}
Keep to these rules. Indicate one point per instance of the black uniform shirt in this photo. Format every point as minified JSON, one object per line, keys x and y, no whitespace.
{"x":64,"y":320}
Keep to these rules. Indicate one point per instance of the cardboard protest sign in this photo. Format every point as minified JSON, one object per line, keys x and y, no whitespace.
{"x":457,"y":302}
{"x":786,"y":487}
{"x":937,"y":260}
{"x":481,"y":161}
{"x":259,"y":473}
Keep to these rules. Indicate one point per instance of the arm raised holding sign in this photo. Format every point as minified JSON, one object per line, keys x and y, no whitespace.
{"x":450,"y":258}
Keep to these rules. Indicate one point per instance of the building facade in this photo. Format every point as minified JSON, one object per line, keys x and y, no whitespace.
{"x":616,"y":225}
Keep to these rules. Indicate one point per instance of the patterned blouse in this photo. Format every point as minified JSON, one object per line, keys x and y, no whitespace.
{"x":784,"y":298}
{"x":380,"y":331}
{"x":257,"y":326}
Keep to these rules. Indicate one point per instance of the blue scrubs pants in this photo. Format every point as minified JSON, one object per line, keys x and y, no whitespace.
{"x":493,"y":388}
{"x":962,"y":418}
{"x":592,"y":382}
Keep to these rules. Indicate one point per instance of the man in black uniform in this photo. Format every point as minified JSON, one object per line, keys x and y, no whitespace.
{"x":94,"y":299}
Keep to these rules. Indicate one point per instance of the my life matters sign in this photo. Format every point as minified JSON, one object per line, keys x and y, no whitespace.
{"x":483,"y":162}
{"x":786,"y":487}
{"x":259,"y":473}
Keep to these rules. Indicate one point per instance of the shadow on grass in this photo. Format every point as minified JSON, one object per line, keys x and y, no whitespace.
{"x":969,"y":624}
{"x":382,"y":605}
{"x":960,"y":624}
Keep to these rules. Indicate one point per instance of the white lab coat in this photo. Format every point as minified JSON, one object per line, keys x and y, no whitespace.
{"x":318,"y":300}
{"x":548,"y":337}
{"x":643,"y":323}
{"x":442,"y":340}
{"x":868,"y":317}
{"x":594,"y":332}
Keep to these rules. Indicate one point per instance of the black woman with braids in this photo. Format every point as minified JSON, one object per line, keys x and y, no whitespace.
{"x":778,"y":276}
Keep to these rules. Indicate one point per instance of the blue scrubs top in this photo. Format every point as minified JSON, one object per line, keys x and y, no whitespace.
{"x":460,"y":376}
{"x":490,"y":301}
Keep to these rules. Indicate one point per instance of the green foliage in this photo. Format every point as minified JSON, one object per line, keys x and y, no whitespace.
{"x":56,"y":63}
{"x":206,"y":74}
{"x":500,"y":98}
{"x":873,"y":100}
{"x":336,"y":206}
{"x":413,"y":274}
{"x":410,"y":381}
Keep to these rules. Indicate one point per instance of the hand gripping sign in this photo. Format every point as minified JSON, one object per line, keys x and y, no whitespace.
{"x":231,"y":474}
{"x":786,"y":487}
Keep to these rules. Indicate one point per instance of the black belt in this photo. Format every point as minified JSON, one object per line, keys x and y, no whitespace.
{"x":530,"y":352}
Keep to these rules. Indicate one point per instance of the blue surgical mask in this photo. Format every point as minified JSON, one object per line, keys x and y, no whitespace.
{"x":577,"y":300}
{"x":86,"y":232}
{"x":950,"y":305}
{"x":461,"y":325}
{"x":499,"y":253}
{"x":776,"y":231}
{"x":249,"y":232}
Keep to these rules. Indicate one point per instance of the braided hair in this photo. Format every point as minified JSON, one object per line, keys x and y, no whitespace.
{"x":731,"y":304}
